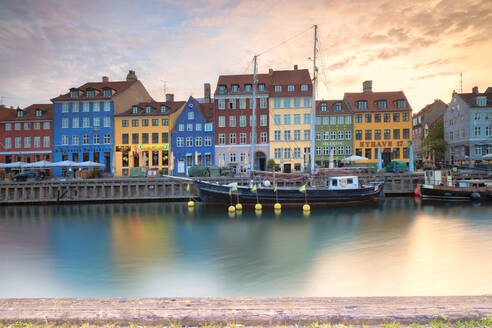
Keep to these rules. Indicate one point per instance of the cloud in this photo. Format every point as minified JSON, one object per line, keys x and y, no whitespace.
{"x":435,"y":75}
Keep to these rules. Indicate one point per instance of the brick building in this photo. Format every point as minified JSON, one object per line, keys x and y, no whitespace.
{"x":423,"y":121}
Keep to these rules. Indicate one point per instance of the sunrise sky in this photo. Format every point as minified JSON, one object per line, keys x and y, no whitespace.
{"x":421,"y":47}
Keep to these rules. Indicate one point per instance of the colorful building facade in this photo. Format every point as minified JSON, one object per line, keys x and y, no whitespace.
{"x":233,"y":119}
{"x":382,"y":120}
{"x":290,"y":95}
{"x":83,"y":120}
{"x":192,"y":137}
{"x":334,"y":130}
{"x":26,"y":134}
{"x":422,"y":122}
{"x":142,"y":136}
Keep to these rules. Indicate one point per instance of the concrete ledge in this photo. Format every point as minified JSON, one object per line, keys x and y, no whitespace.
{"x":247,"y":311}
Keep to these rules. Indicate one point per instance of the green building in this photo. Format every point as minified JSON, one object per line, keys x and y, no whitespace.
{"x":334,"y":132}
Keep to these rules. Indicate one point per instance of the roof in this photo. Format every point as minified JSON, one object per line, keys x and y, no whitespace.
{"x":118,"y":87}
{"x":172,"y":105}
{"x":330,"y":109}
{"x":429,"y":106}
{"x":10,"y":114}
{"x":294,"y":77}
{"x":206,"y":109}
{"x":469,"y":98}
{"x":372,"y":97}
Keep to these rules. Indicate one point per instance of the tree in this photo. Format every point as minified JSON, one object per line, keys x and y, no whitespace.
{"x":434,"y":144}
{"x":271,"y":165}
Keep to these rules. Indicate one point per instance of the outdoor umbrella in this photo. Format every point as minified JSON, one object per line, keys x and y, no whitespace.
{"x":16,"y":164}
{"x":90,"y":164}
{"x":62,"y":164}
{"x":354,"y":158}
{"x":488,"y":157}
{"x":38,"y":164}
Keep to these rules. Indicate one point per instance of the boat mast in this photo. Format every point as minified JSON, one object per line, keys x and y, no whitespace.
{"x":253,"y":119}
{"x":313,"y":109}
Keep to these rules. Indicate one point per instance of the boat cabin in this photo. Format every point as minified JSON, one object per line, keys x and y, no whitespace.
{"x":439,"y":178}
{"x":343,"y":183}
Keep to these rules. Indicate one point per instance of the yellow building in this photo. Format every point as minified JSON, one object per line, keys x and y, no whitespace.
{"x":381,"y":120}
{"x":290,"y":119}
{"x":142,"y":136}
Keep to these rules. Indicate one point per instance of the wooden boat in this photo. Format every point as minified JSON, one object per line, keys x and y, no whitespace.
{"x":441,"y":185}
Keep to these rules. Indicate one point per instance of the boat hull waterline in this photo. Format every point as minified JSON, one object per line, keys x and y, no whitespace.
{"x":454,"y":193}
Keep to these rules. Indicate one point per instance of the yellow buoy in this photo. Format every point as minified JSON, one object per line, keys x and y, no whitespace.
{"x":306,"y":208}
{"x":277,"y":206}
{"x":239,"y":206}
{"x":258,"y":207}
{"x":231,"y":215}
{"x":191,"y":203}
{"x":231,"y":209}
{"x":277,"y":211}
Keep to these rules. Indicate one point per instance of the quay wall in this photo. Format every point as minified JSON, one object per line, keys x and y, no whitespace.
{"x":167,"y":188}
{"x":180,"y":312}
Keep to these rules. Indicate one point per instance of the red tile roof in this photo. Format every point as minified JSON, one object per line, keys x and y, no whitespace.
{"x":470,"y":98}
{"x":330,"y":109}
{"x":117,"y":86}
{"x":391,"y":98}
{"x":172,"y":105}
{"x":10,"y":114}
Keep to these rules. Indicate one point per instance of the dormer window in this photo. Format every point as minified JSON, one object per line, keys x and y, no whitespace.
{"x":261,"y":87}
{"x":90,"y":93}
{"x":402,"y":103}
{"x":148,"y":109}
{"x":381,"y":104}
{"x":107,"y":92}
{"x":222,"y":89}
{"x":278,"y":88}
{"x":20,"y":113}
{"x":74,"y":93}
{"x":337,"y":107}
{"x":324,"y":107}
{"x":39,"y":112}
{"x":247,"y":88}
{"x":290,"y":88}
{"x":135,"y":110}
{"x":481,"y":101}
{"x":304,"y":87}
{"x":235,"y":88}
{"x":163,"y":109}
{"x":362,"y":104}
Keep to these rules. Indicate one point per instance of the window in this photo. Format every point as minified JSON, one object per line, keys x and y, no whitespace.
{"x":165,"y":137}
{"x":107,"y":139}
{"x":261,"y":87}
{"x":64,"y":141}
{"x":477,"y":131}
{"x":247,"y":87}
{"x":318,"y":120}
{"x":135,"y":138}
{"x":286,"y":152}
{"x":368,"y":134}
{"x":307,"y":134}
{"x":290,"y":88}
{"x":75,"y":107}
{"x":337,"y":107}
{"x":368,"y":118}
{"x":85,"y":139}
{"x":235,"y":88}
{"x":8,"y":126}
{"x":381,"y":104}
{"x":278,"y":153}
{"x":232,"y":121}
{"x":277,"y":135}
{"x":189,"y":127}
{"x":242,"y":138}
{"x":222,"y":89}
{"x":85,"y":107}
{"x":232,"y":157}
{"x":348,"y":150}
{"x":387,"y":117}
{"x":297,"y":135}
{"x":135,"y":110}
{"x":221,"y":138}
{"x":396,"y":117}
{"x":263,"y":120}
{"x":319,"y":135}
{"x":198,"y":127}
{"x":27,"y":142}
{"x":263,"y":102}
{"x":124,"y":123}
{"x":64,"y":123}
{"x":287,"y":135}
{"x":17,"y":126}
{"x":232,"y":138}
{"x":95,"y":139}
{"x":340,"y":135}
{"x":406,"y":153}
{"x":396,"y":133}
{"x":145,"y":138}
{"x":348,"y":135}
{"x":362,"y":104}
{"x":64,"y":107}
{"x":318,"y":151}
{"x":377,"y":118}
{"x":377,"y":134}
{"x":307,"y":102}
{"x":326,"y":150}
{"x":46,"y":141}
{"x":8,"y":143}
{"x":333,"y":135}
{"x":75,"y":123}
{"x":297,"y":118}
{"x":107,"y":121}
{"x":145,"y":122}
{"x":37,"y":142}
{"x":487,"y":131}
{"x":242,"y":103}
{"x":401,"y":103}
{"x":287,"y":119}
{"x":476,"y":117}
{"x":95,"y":107}
{"x":368,"y":153}
{"x":406,"y":117}
{"x":221,"y":103}
{"x":263,"y":138}
{"x":276,"y":103}
{"x":358,"y":151}
{"x":221,"y":121}
{"x":165,"y":122}
{"x":286,"y":103}
{"x":278,"y":88}
{"x":340,"y":150}
{"x":124,"y":138}
{"x":107,"y":106}
{"x":307,"y":118}
{"x":208,"y":127}
{"x":106,"y":92}
{"x":74,"y":93}
{"x":27,"y":126}
{"x":406,"y":133}
{"x":134,"y":123}
{"x":208,"y":141}
{"x":232,"y":103}
{"x":155,"y":138}
{"x":37,"y":126}
{"x":478,"y":150}
{"x":396,"y":152}
{"x":358,"y":134}
{"x":86,"y":123}
{"x":155,"y":122}
{"x":304,"y":87}
{"x":191,"y":115}
{"x":297,"y":102}
{"x":358,"y":118}
{"x":276,"y":119}
{"x":179,"y":142}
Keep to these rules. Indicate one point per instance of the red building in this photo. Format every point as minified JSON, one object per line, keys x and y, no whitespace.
{"x":25,"y":134}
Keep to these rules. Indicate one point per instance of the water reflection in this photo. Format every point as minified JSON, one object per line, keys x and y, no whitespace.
{"x":397,"y":247}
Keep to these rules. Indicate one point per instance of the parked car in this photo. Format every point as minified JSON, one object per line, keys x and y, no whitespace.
{"x":28,"y":175}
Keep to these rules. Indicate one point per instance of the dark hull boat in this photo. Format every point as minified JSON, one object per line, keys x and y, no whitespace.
{"x":455,"y":193}
{"x":222,"y":194}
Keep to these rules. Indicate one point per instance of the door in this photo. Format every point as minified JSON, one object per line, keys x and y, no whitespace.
{"x":107,"y":162}
{"x":386,"y":156}
{"x":181,"y":166}
{"x":287,"y":168}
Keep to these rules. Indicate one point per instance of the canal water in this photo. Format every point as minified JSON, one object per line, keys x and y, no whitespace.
{"x":396,"y":247}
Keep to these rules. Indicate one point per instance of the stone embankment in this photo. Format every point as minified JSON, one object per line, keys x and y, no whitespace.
{"x":246,"y":311}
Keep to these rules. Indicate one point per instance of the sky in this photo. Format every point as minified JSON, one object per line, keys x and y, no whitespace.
{"x":418,"y":46}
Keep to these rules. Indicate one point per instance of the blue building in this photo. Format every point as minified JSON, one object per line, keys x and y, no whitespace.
{"x":83,"y":120}
{"x":192,"y":137}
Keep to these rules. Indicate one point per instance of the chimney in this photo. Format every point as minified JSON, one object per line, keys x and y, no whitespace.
{"x":270,"y":71}
{"x":206,"y":93}
{"x":367,"y":86}
{"x":169,"y":97}
{"x":105,"y":79}
{"x":475,"y":90}
{"x":295,"y":67}
{"x":131,"y":76}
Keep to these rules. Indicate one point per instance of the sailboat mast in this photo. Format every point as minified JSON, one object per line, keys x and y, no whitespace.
{"x":313,"y":102}
{"x":253,"y":119}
